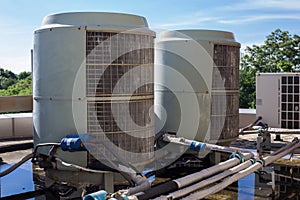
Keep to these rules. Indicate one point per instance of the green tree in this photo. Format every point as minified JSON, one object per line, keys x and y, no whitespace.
{"x":7,"y":78}
{"x":13,"y":84}
{"x":23,"y":75}
{"x":22,"y":87}
{"x":279,"y":53}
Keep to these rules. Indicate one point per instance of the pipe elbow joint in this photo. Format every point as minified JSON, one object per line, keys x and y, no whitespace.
{"x":142,"y":185}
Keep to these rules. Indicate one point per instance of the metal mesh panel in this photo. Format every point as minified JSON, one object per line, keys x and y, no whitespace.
{"x":226,"y":69}
{"x":228,"y":127}
{"x":225,"y":95}
{"x":115,"y":63}
{"x":229,"y":101}
{"x":224,"y":115}
{"x":110,"y":56}
{"x":290,"y":103}
{"x":114,"y":117}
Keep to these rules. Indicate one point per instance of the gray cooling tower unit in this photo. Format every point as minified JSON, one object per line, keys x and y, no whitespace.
{"x":197,"y":84}
{"x":93,"y":74}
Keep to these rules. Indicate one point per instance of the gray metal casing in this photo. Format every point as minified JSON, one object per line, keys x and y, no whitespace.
{"x":184,"y":63}
{"x":59,"y":83}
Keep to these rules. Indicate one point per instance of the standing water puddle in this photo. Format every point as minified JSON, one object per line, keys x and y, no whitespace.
{"x":18,"y":181}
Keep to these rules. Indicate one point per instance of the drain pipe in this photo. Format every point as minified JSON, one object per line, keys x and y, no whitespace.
{"x":256,"y":166}
{"x":176,"y":184}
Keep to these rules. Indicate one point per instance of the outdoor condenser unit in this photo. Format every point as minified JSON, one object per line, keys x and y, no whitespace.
{"x":277,"y":99}
{"x":197,"y":84}
{"x":93,"y":76}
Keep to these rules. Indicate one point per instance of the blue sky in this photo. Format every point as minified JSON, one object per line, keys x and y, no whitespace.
{"x":250,"y":20}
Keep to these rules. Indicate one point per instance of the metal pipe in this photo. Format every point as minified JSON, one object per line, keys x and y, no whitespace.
{"x":15,"y":166}
{"x":273,"y":182}
{"x":251,"y":125}
{"x":229,"y":180}
{"x":142,"y":184}
{"x":287,"y":146}
{"x":80,"y":168}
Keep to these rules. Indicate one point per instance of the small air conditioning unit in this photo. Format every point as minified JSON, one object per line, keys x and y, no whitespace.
{"x":277,"y":99}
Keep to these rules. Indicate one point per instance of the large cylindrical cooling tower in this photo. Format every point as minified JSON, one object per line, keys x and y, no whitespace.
{"x":197,"y":84}
{"x":93,"y":73}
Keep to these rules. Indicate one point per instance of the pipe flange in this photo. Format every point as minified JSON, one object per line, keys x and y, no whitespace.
{"x":261,"y":161}
{"x":237,"y":155}
{"x":252,"y":160}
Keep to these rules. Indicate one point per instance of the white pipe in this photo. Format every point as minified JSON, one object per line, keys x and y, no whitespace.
{"x":213,"y":179}
{"x":272,"y":130}
{"x":192,"y":178}
{"x":193,"y":145}
{"x":229,"y":180}
{"x":273,"y":182}
{"x":195,"y":177}
{"x":187,"y":190}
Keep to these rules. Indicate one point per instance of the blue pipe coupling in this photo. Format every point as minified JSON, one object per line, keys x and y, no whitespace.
{"x":103,"y":195}
{"x":100,"y":195}
{"x":197,"y":146}
{"x":72,"y":144}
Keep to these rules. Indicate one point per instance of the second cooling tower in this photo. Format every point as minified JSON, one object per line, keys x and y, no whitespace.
{"x":197,"y":84}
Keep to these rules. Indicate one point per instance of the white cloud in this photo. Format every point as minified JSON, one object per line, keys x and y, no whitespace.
{"x":254,"y":18}
{"x":188,"y":20}
{"x":16,"y":64}
{"x":265,"y":4}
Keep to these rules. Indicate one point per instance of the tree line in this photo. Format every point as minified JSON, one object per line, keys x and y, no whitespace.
{"x":15,"y":84}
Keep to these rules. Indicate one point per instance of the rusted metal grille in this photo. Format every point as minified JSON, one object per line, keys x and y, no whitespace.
{"x":224,"y":115}
{"x":225,"y":95}
{"x":102,"y":80}
{"x":119,"y":117}
{"x":119,"y":87}
{"x":226,"y":69}
{"x":110,"y":56}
